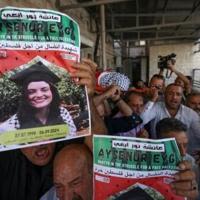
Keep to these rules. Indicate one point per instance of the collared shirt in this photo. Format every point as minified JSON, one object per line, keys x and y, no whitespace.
{"x":136,"y":130}
{"x":50,"y":195}
{"x":157,"y":111}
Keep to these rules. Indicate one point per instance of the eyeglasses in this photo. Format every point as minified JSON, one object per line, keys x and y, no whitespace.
{"x":157,"y":86}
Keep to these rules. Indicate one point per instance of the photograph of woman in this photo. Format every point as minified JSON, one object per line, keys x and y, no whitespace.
{"x":40,"y":101}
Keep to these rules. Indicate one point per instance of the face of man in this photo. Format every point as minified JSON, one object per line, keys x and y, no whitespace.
{"x":194,"y":103}
{"x":39,"y":155}
{"x":173,"y":97}
{"x":136,"y":103}
{"x":140,"y":84}
{"x":181,"y":140}
{"x":72,"y":180}
{"x":157,"y":83}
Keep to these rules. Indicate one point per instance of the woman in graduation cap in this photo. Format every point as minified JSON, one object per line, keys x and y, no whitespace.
{"x":40,"y":101}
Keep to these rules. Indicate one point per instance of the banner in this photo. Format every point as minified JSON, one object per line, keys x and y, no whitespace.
{"x":134,"y":168}
{"x":39,"y":102}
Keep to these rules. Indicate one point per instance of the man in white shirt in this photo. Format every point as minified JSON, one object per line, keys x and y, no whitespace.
{"x":172,"y":107}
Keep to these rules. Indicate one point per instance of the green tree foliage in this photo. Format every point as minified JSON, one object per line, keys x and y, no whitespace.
{"x":9,"y":97}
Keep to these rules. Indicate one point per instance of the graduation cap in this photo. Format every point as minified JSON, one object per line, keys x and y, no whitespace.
{"x":36,"y":72}
{"x":135,"y":194}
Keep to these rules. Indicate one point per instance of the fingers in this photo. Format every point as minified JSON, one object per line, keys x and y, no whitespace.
{"x":113,"y":91}
{"x":187,"y":175}
{"x":185,"y":193}
{"x":85,"y":72}
{"x":183,"y":185}
{"x":185,"y":165}
{"x":83,"y":68}
{"x":185,"y":181}
{"x":185,"y":172}
{"x":89,"y":62}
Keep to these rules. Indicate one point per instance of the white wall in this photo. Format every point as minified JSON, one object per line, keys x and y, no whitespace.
{"x":186,"y":60}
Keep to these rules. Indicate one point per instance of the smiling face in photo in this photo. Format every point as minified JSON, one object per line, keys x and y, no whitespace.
{"x":39,"y":94}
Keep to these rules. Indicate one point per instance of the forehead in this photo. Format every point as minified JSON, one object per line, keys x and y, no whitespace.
{"x":174,"y":88}
{"x":68,"y":171}
{"x":135,"y":98}
{"x":37,"y":84}
{"x":156,"y":80}
{"x":195,"y":98}
{"x":179,"y":135}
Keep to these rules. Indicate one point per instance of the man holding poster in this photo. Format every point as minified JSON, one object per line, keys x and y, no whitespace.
{"x":167,"y":178}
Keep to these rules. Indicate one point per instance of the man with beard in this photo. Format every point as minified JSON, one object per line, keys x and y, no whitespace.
{"x":172,"y":107}
{"x":72,"y":173}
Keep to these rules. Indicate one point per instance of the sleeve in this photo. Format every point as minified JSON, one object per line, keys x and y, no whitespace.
{"x":149,"y":112}
{"x":68,"y":120}
{"x":50,"y":195}
{"x":122,"y":124}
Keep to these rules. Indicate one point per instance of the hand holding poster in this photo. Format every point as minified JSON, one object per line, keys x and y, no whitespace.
{"x":134,"y":168}
{"x":40,"y":103}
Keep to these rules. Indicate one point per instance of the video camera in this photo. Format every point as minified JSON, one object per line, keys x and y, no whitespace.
{"x":162,"y":62}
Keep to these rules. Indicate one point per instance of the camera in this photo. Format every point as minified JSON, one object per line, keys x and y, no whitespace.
{"x":162,"y":62}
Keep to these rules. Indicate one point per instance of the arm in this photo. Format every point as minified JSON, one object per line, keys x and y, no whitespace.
{"x":120,"y":103}
{"x":171,"y":66}
{"x":98,"y":126}
{"x":122,"y":124}
{"x":124,"y":108}
{"x":149,"y":112}
{"x":161,"y":72}
{"x":114,"y":94}
{"x":85,"y":71}
{"x":107,"y":108}
{"x":100,"y":98}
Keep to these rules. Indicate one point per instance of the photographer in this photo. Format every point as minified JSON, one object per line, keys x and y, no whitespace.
{"x":168,"y":62}
{"x":163,"y":63}
{"x":181,"y":79}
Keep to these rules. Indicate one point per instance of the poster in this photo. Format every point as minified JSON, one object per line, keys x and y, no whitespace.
{"x":134,"y":167}
{"x":39,"y":102}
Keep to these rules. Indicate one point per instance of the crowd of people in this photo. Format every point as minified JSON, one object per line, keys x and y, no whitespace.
{"x":64,"y":170}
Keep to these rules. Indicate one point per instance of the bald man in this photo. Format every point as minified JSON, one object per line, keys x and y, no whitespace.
{"x":72,"y":173}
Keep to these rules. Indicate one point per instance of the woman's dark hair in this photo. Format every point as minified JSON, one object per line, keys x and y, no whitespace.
{"x":26,"y":113}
